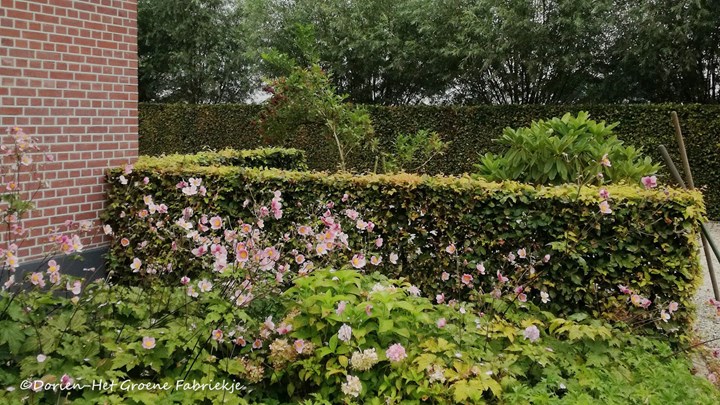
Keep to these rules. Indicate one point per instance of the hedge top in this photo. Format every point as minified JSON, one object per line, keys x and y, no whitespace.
{"x":285,"y":158}
{"x":196,"y":165}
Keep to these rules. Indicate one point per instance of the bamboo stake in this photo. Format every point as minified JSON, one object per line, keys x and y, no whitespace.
{"x":683,"y":153}
{"x":704,"y":234}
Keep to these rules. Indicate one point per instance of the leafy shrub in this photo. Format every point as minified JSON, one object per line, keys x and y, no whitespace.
{"x":307,"y":97}
{"x":336,"y":336}
{"x":234,"y":335}
{"x":184,"y":128}
{"x":565,"y":150}
{"x":487,"y":350}
{"x":179,"y":128}
{"x":412,"y":152}
{"x":598,"y":238}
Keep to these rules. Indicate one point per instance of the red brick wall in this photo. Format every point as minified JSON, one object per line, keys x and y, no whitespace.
{"x":68,"y":76}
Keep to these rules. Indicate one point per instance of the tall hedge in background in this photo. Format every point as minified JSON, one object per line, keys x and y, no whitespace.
{"x":174,"y":128}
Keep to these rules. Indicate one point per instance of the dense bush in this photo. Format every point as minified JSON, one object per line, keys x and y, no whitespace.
{"x":177,"y":128}
{"x":184,"y":128}
{"x":566,"y":150}
{"x":643,"y":239}
{"x":335,"y":337}
{"x":276,"y":158}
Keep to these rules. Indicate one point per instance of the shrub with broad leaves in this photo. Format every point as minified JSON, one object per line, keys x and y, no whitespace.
{"x":566,"y":150}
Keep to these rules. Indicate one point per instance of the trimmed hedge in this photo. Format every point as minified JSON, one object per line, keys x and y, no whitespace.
{"x":276,"y":158}
{"x":177,"y":128}
{"x":649,"y":242}
{"x":183,"y":128}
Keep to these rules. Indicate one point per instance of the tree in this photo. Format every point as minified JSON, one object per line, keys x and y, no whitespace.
{"x":528,"y":52}
{"x":415,"y":51}
{"x":665,"y":51}
{"x":306,"y":97}
{"x":380,"y":51}
{"x":192,"y":51}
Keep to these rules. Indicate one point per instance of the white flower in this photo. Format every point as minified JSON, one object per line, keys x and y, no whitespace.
{"x":41,"y":358}
{"x":352,"y":387}
{"x":182,"y":223}
{"x":544,"y":297}
{"x":363,"y":361}
{"x":393,"y":258}
{"x":532,"y":333}
{"x":204,"y":286}
{"x":136,"y":264}
{"x":345,"y":333}
{"x":10,"y":281}
{"x":191,"y":190}
{"x":412,"y":290}
{"x":75,"y":287}
{"x":436,"y":373}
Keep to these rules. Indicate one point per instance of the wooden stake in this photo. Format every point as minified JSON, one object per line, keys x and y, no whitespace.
{"x":683,"y":153}
{"x":704,"y":234}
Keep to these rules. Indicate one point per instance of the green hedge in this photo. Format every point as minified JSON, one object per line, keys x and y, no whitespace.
{"x":649,"y":242}
{"x":276,"y":158}
{"x":176,"y":128}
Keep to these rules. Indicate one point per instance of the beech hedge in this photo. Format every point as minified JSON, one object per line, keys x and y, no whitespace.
{"x":276,"y":158}
{"x":649,"y":242}
{"x":180,"y":128}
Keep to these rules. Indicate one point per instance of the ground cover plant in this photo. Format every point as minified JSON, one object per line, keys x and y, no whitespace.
{"x":301,"y":316}
{"x":337,"y":336}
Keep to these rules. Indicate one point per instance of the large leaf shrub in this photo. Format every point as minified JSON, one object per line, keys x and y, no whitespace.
{"x":566,"y":150}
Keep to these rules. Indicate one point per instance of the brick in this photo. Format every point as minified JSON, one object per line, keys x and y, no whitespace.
{"x":35,"y":35}
{"x":68,"y":73}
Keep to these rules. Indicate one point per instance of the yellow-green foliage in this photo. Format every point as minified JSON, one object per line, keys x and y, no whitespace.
{"x":648,"y":242}
{"x":282,"y":158}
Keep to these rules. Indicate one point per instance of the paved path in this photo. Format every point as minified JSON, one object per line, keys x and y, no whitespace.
{"x":707,"y":324}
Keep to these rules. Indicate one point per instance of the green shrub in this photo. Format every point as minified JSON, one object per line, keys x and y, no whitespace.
{"x":648,"y":242}
{"x":177,"y":128}
{"x":185,"y":128}
{"x":495,"y":350}
{"x":412,"y":152}
{"x":276,"y":158}
{"x":306,"y":97}
{"x":480,"y":352}
{"x":566,"y":150}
